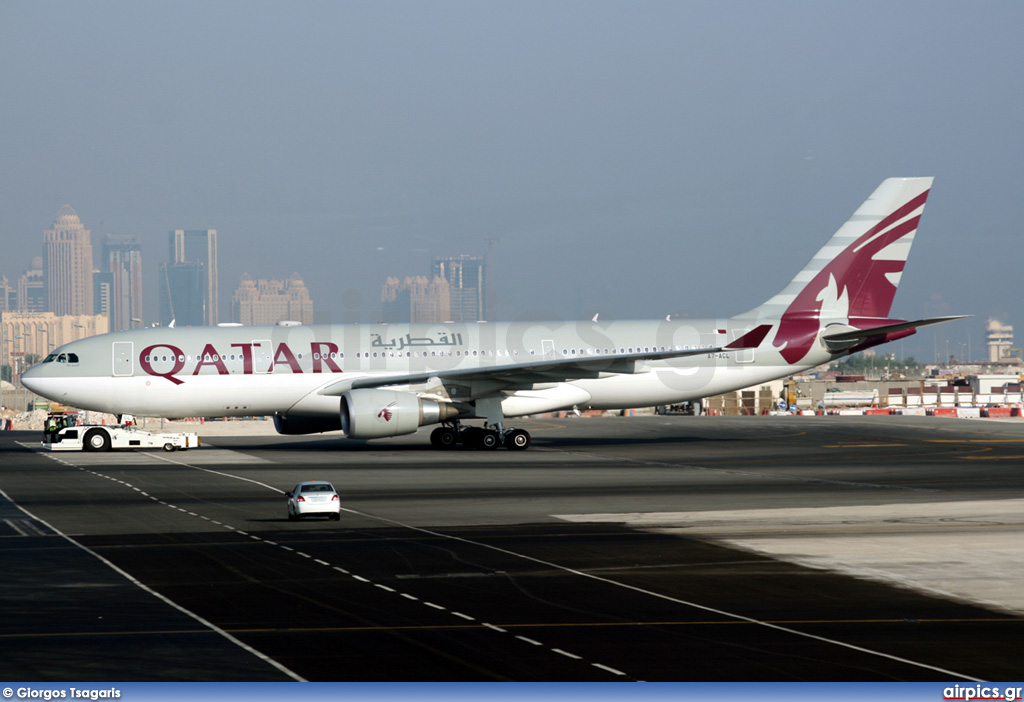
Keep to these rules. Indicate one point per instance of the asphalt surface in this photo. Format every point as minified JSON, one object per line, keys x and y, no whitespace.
{"x":457,"y":566}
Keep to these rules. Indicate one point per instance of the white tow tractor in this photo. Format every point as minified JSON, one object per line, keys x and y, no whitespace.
{"x":63,"y":432}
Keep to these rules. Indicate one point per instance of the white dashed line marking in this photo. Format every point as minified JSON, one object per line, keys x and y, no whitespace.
{"x":385,"y":588}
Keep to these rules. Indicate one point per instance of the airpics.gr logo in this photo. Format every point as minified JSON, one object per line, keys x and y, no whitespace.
{"x":388,"y":412}
{"x":981,"y":692}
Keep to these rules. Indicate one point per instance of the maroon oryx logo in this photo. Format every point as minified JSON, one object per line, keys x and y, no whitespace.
{"x":386,"y":414}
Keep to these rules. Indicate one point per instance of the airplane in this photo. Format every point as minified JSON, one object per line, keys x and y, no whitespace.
{"x":375,"y":381}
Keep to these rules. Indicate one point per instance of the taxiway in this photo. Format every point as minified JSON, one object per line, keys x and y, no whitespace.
{"x":647,"y":548}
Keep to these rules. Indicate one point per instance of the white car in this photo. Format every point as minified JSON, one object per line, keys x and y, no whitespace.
{"x":313,"y":497}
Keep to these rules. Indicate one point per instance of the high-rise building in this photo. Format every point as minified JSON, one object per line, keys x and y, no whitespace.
{"x":272,"y":301}
{"x":416,"y":300}
{"x":183,"y":294}
{"x":198,"y":247}
{"x":103,"y":293}
{"x":32,"y":288}
{"x":122,"y":258}
{"x":467,"y":280}
{"x":8,"y":295}
{"x":67,"y":265}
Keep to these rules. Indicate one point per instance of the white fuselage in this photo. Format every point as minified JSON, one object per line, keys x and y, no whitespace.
{"x":239,"y":370}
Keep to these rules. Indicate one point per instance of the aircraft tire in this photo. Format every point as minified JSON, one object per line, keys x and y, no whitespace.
{"x":97,"y":440}
{"x":517,"y":440}
{"x":489,"y":440}
{"x":444,"y":438}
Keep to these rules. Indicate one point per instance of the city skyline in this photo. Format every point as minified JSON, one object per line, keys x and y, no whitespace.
{"x":121,"y":260}
{"x":633,"y":163}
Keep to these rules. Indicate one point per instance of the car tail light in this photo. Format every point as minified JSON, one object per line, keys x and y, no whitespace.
{"x":334,"y":498}
{"x":300,"y":498}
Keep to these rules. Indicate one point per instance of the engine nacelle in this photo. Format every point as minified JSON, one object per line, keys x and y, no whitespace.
{"x":374,"y":414}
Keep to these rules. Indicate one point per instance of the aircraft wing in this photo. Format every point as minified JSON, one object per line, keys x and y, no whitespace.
{"x":521,"y":375}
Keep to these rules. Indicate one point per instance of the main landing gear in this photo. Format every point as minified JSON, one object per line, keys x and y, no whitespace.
{"x":450,"y":434}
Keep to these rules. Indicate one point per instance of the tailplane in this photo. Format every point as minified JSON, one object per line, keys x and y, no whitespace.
{"x":852,"y":280}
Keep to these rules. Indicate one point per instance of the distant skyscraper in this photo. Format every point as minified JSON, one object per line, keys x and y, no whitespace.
{"x":272,"y":301}
{"x":122,"y":258}
{"x":199,"y":246}
{"x":103,"y":294}
{"x":183,"y":291}
{"x":467,"y":280}
{"x":67,"y":265}
{"x":32,"y":288}
{"x":416,"y":300}
{"x":8,"y":295}
{"x":188,"y":282}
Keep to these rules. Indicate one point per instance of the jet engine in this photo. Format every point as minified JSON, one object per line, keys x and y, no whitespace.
{"x":373,"y":414}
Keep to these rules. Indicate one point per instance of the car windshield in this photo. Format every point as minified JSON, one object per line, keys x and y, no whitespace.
{"x":318,"y":487}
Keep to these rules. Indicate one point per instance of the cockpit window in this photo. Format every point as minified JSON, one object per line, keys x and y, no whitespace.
{"x":61,"y":358}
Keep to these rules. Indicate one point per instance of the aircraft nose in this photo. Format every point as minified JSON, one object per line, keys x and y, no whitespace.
{"x":37,"y":379}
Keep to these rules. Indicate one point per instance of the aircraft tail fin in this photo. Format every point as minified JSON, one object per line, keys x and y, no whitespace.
{"x":853,"y":278}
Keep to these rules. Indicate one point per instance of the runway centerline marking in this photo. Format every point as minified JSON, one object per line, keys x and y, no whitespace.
{"x":695,"y":605}
{"x":299,"y":553}
{"x":141,"y":585}
{"x":615,"y":583}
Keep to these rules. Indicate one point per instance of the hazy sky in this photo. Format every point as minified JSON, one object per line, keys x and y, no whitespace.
{"x":632,"y":158}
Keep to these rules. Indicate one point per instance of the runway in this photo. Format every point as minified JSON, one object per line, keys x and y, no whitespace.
{"x":644,"y":548}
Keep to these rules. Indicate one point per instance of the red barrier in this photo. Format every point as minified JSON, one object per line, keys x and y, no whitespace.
{"x":944,"y":412}
{"x":877,"y":411}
